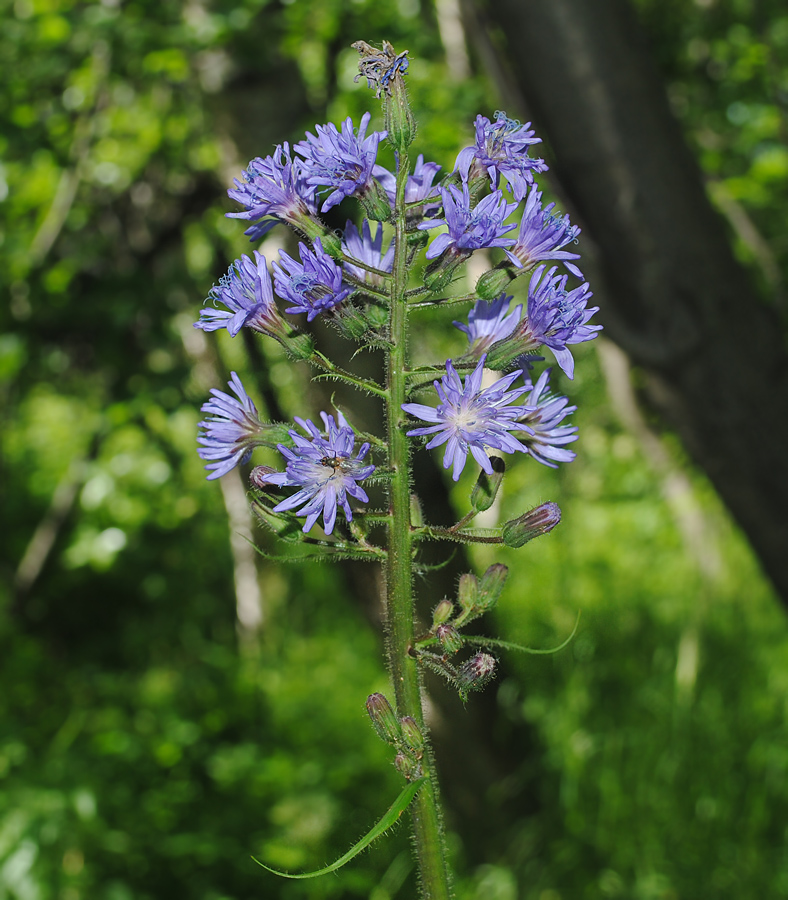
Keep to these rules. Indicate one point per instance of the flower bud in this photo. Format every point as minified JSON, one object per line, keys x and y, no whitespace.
{"x":412,"y":735}
{"x":493,"y":282}
{"x":449,"y":638}
{"x":476,"y":672}
{"x":491,"y":585}
{"x":384,"y":720}
{"x":538,"y":521}
{"x":407,"y":766}
{"x":442,"y":613}
{"x":468,"y":593}
{"x":486,"y":487}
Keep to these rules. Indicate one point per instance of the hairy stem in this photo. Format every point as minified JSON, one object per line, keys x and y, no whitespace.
{"x":426,"y":819}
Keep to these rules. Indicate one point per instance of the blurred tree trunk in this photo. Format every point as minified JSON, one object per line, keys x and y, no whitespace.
{"x":671,"y":294}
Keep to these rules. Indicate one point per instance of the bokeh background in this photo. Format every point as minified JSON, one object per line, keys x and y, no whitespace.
{"x":173,"y":703}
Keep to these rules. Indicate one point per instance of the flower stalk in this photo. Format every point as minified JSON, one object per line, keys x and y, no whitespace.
{"x":362,"y":286}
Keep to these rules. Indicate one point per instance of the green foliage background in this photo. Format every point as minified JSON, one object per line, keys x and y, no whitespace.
{"x":143,"y":753}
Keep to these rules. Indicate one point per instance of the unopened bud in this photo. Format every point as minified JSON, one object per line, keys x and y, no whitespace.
{"x":486,"y":487}
{"x":407,"y":766}
{"x":411,"y":734}
{"x":476,"y":672}
{"x":383,"y":718}
{"x":493,"y":282}
{"x":491,"y":585}
{"x":350,"y":321}
{"x":442,"y":613}
{"x":468,"y":593}
{"x":536,"y":522}
{"x":449,"y":638}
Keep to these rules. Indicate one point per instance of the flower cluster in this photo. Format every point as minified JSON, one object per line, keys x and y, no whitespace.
{"x":348,"y":279}
{"x":324,"y":470}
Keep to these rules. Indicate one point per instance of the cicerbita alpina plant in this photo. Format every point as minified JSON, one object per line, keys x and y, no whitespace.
{"x":363,"y":283}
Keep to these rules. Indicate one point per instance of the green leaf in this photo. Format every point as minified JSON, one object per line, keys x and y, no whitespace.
{"x":506,"y":645}
{"x":393,"y":813}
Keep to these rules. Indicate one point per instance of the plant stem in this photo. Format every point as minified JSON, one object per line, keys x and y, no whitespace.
{"x":426,"y":819}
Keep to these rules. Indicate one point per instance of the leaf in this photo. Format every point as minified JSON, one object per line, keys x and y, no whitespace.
{"x":393,"y":813}
{"x":506,"y":645}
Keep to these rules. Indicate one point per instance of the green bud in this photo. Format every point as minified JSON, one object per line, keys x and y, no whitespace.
{"x":414,"y":739}
{"x":491,"y":585}
{"x":442,"y":613}
{"x":536,"y":522}
{"x":494,"y":282}
{"x":449,"y":638}
{"x":468,"y":593}
{"x":486,"y":487}
{"x":384,"y":720}
{"x":408,"y":767}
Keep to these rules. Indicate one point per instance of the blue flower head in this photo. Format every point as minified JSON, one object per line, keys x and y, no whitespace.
{"x":470,"y":228}
{"x":246,"y":293}
{"x":312,"y":286}
{"x":231,"y":431}
{"x":543,"y":236}
{"x":543,"y":434}
{"x":488,"y":323}
{"x":367,"y":249}
{"x":340,"y":160}
{"x":418,"y":187}
{"x":501,"y":149}
{"x":556,"y":317}
{"x":324,"y":470}
{"x":470,"y":418}
{"x":273,"y":190}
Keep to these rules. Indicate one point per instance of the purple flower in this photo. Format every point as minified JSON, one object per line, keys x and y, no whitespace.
{"x":470,"y":418}
{"x":367,"y":249}
{"x":501,"y":149}
{"x":418,"y":186}
{"x":556,"y":317}
{"x":232,"y":430}
{"x":312,"y":286}
{"x":542,"y":235}
{"x":340,"y":160}
{"x":247,"y":294}
{"x":489,"y":322}
{"x":273,"y":190}
{"x":543,"y":434}
{"x":324,"y":470}
{"x":470,"y":229}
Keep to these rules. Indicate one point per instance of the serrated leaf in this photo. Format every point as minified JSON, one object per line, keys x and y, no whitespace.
{"x":390,"y":817}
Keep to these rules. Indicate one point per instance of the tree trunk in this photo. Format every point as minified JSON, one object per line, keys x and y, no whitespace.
{"x":671,"y":294}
